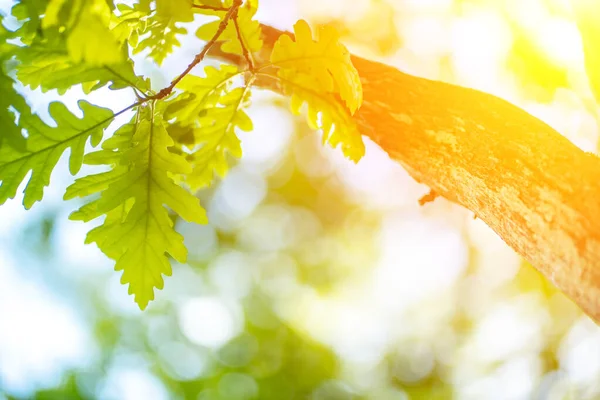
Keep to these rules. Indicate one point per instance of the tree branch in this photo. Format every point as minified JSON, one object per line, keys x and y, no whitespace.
{"x":532,"y":186}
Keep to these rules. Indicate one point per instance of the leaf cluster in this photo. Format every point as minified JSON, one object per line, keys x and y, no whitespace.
{"x":178,"y":140}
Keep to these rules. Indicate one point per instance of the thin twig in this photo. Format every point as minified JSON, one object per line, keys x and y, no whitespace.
{"x":199,"y":57}
{"x":245,"y":50}
{"x":211,"y":8}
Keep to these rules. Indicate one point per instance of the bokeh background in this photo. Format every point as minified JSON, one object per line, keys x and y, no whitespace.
{"x":317,"y":278}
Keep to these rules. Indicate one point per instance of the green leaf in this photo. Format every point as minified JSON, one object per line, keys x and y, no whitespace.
{"x":161,"y":39}
{"x":130,"y":23}
{"x":218,"y":138}
{"x":29,"y":12}
{"x":213,"y":111}
{"x":45,"y":145}
{"x":138,"y":231}
{"x":48,"y":66}
{"x":10,"y":101}
{"x":52,"y":14}
{"x":201,"y":94}
{"x":160,"y":29}
{"x":86,"y":24}
{"x":46,"y":61}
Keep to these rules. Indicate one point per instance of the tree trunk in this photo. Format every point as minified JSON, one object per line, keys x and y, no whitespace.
{"x":531,"y":185}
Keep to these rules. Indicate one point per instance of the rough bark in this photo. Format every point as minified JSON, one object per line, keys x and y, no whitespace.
{"x":531,"y":185}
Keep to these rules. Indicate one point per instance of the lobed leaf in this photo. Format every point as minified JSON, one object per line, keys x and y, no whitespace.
{"x":201,"y":94}
{"x":29,"y":14}
{"x":322,"y":63}
{"x":130,"y":22}
{"x":319,"y":72}
{"x":218,"y":138}
{"x":328,"y":114}
{"x":146,"y":165}
{"x":48,"y":62}
{"x":159,"y":31}
{"x":45,"y":145}
{"x":48,"y":66}
{"x":138,"y":232}
{"x":212,"y":111}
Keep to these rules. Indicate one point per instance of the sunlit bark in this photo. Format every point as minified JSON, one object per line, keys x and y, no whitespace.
{"x":531,"y":185}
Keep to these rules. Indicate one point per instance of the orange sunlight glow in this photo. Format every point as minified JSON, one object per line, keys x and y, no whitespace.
{"x":515,"y":49}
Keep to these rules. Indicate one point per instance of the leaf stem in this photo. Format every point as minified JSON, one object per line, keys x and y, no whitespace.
{"x":121,"y":77}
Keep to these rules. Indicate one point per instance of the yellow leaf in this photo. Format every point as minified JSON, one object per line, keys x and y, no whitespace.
{"x":52,"y":11}
{"x":319,"y":72}
{"x":87,"y":26}
{"x":322,"y":63}
{"x":91,"y":41}
{"x":324,"y":112}
{"x":179,"y":10}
